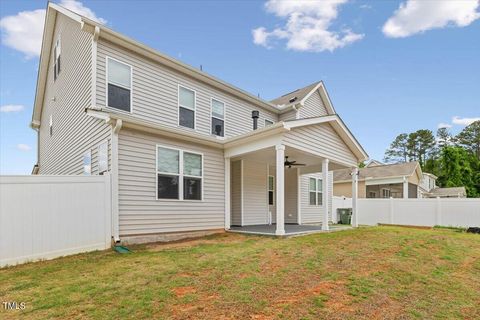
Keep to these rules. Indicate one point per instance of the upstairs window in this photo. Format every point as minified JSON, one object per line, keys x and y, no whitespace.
{"x":218,"y":118}
{"x":268,"y":123}
{"x":179,"y":174}
{"x":271,"y":189}
{"x":186,"y":107}
{"x":56,"y":57}
{"x":119,"y":79}
{"x":315,"y":192}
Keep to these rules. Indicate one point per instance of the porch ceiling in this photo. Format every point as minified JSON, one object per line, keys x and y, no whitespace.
{"x":312,"y":162}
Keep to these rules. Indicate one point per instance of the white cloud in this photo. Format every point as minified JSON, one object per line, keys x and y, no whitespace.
{"x":444,"y":125}
{"x":11,"y":108}
{"x":414,"y":16}
{"x":464,"y":121}
{"x":23,"y":147}
{"x":307,"y":26}
{"x":23,"y":31}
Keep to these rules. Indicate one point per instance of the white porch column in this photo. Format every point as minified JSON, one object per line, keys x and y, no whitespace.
{"x":354,"y":197}
{"x":405,"y":188}
{"x":325,"y":193}
{"x":227,"y":194}
{"x":280,"y":204}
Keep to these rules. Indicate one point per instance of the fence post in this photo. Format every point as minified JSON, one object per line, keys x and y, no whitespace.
{"x":391,"y":210}
{"x":438,"y":212}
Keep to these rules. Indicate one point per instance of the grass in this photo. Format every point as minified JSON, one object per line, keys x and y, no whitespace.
{"x":381,"y":273}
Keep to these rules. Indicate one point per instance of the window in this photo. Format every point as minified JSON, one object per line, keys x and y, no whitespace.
{"x":186,"y":107}
{"x":315,"y":192}
{"x":119,"y":80}
{"x":268,"y":123}
{"x":271,"y":189}
{"x":372,"y":194}
{"x":386,"y":193}
{"x":218,"y":118}
{"x":179,"y":174}
{"x":87,"y":163}
{"x":56,"y":57}
{"x":102,"y":157}
{"x":50,"y":125}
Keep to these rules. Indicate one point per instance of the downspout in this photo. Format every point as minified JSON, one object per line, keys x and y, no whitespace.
{"x":35,"y":125}
{"x":297,"y":110}
{"x":115,"y":209}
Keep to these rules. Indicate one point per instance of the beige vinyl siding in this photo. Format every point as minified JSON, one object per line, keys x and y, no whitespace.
{"x":236,"y":190}
{"x":155,"y":94}
{"x":65,"y":99}
{"x":289,"y":115}
{"x":255,"y":203}
{"x":314,"y":214}
{"x":141,"y":213}
{"x":291,"y":197}
{"x":313,"y":107}
{"x":322,"y":140}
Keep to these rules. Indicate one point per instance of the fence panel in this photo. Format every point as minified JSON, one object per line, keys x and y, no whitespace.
{"x":43,"y":217}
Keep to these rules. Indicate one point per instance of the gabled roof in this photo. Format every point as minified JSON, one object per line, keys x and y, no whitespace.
{"x":448,"y":192}
{"x":299,"y":94}
{"x":406,"y":169}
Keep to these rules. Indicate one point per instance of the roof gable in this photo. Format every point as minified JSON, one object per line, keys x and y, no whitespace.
{"x":382,"y":171}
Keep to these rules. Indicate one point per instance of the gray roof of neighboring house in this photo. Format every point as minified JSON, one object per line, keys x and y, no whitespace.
{"x":381,"y":171}
{"x":454,"y":191}
{"x":299,"y":93}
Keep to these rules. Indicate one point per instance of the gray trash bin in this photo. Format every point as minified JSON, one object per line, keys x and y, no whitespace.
{"x":345,"y":215}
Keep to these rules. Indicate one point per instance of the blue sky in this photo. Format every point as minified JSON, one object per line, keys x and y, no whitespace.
{"x":389,"y":66}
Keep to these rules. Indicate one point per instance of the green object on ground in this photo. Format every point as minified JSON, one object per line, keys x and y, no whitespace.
{"x":345,"y":215}
{"x":121,"y":249}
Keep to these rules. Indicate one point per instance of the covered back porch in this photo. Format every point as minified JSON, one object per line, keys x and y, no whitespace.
{"x":278,"y":179}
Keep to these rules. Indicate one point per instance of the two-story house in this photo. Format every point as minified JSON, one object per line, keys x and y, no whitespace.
{"x":186,"y":152}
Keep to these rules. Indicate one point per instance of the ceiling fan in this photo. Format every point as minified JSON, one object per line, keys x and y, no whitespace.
{"x":289,"y":164}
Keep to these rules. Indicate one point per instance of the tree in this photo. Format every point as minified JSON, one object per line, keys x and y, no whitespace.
{"x":459,"y":168}
{"x":421,"y":145}
{"x":444,"y":137}
{"x":398,"y":151}
{"x":469,"y":138}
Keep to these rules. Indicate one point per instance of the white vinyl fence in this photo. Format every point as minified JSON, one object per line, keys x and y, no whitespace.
{"x":447,"y":212}
{"x":43,"y":217}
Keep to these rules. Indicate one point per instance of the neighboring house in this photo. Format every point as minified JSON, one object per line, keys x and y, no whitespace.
{"x":186,"y":151}
{"x":399,"y":180}
{"x":377,"y":180}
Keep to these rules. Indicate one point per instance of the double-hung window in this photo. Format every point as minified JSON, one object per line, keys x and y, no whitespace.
{"x":271,"y":189}
{"x":186,"y":107}
{"x":119,"y":81}
{"x":386,"y":193}
{"x":218,"y":118}
{"x":315,"y":192}
{"x":179,"y":174}
{"x":56,"y":57}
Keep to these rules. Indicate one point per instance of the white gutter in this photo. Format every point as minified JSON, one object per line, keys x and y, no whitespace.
{"x":115,"y":201}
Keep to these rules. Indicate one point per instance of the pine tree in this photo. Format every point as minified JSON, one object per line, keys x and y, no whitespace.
{"x":469,"y":138}
{"x":398,"y":151}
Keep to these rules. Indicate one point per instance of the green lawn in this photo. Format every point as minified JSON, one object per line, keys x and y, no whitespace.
{"x":373,"y":273}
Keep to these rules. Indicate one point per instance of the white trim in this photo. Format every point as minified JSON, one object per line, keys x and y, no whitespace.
{"x":94,"y":64}
{"x":224,"y":117}
{"x":180,"y":173}
{"x":241,"y":192}
{"x":323,"y":95}
{"x":106,"y":85}
{"x":280,"y":189}
{"x":269,"y":215}
{"x":227,"y":172}
{"x":185,"y":107}
{"x":116,"y":127}
{"x":325,"y":193}
{"x":299,"y":197}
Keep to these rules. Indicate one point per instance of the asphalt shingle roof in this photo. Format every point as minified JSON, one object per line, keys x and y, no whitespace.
{"x":299,"y":93}
{"x":382,"y":171}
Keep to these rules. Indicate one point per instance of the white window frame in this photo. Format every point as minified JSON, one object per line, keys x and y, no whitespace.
{"x":106,"y":85}
{"x":389,"y":193}
{"x":180,"y":173}
{"x":271,"y":190}
{"x":194,"y":107}
{"x":317,"y":191}
{"x":265,"y":123}
{"x":212,"y":116}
